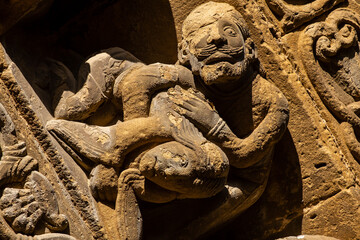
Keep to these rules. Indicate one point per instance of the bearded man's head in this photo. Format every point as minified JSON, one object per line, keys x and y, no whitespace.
{"x":216,"y":44}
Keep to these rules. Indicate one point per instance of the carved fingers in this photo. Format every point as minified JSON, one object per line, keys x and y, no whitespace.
{"x":186,"y":133}
{"x":131,"y":178}
{"x":195,"y":107}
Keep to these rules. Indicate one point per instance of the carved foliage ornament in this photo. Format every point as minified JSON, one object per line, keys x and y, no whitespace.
{"x":330,"y":54}
{"x":295,"y":13}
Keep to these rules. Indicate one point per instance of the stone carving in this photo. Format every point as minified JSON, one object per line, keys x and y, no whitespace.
{"x":23,"y":206}
{"x":164,"y":138}
{"x":330,"y":53}
{"x":294,"y":14}
{"x":308,"y":237}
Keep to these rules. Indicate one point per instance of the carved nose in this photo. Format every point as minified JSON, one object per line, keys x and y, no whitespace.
{"x":216,"y":38}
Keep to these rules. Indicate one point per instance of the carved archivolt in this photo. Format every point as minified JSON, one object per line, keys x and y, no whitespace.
{"x":330,"y":54}
{"x":27,"y":198}
{"x":294,"y":14}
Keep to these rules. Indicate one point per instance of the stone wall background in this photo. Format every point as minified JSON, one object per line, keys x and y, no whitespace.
{"x":314,"y":186}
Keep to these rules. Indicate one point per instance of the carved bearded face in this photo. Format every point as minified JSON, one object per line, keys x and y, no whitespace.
{"x":214,"y":44}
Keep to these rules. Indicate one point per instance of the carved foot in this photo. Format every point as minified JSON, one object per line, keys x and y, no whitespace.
{"x":81,"y":140}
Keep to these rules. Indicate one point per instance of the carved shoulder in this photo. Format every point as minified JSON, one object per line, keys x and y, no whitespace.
{"x":267,"y":94}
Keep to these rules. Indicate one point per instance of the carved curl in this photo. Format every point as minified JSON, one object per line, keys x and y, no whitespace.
{"x":330,"y":51}
{"x":294,"y":15}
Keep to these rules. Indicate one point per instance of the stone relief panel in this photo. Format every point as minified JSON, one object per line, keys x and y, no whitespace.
{"x":159,"y":133}
{"x":330,"y":53}
{"x":28,"y":202}
{"x":292,"y":13}
{"x":141,"y":150}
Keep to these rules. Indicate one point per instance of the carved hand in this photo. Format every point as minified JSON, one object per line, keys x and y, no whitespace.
{"x":195,"y":107}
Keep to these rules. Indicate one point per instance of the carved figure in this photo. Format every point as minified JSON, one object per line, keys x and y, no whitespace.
{"x":330,"y":53}
{"x":190,"y":167}
{"x":130,"y":98}
{"x":251,"y":115}
{"x":168,"y":149}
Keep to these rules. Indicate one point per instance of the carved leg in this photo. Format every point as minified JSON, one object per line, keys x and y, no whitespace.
{"x":127,"y":208}
{"x":132,"y":186}
{"x":108,"y":145}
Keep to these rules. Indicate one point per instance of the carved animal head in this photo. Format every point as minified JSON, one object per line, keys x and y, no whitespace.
{"x":216,"y":44}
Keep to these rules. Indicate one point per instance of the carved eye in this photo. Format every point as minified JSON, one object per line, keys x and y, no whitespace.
{"x":230,"y":31}
{"x":183,"y":163}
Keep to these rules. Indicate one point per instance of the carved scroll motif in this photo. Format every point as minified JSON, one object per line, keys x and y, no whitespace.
{"x":293,"y":14}
{"x":27,"y":198}
{"x":330,"y":53}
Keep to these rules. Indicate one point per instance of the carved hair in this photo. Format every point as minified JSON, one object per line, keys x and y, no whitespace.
{"x":211,"y":12}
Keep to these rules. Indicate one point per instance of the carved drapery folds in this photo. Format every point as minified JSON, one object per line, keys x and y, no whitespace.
{"x":293,"y":14}
{"x":330,"y":53}
{"x":27,"y":198}
{"x":202,"y":128}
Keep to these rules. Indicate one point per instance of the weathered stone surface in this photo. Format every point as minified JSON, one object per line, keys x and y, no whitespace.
{"x":293,"y":14}
{"x":309,"y":237}
{"x":339,"y":221}
{"x":134,"y":148}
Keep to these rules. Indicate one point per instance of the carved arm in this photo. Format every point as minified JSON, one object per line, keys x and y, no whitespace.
{"x":135,"y":88}
{"x":248,"y":151}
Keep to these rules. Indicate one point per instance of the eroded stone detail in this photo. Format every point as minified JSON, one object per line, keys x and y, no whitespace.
{"x":27,"y":197}
{"x":309,"y":237}
{"x":154,"y":129}
{"x":330,"y":51}
{"x":294,"y":14}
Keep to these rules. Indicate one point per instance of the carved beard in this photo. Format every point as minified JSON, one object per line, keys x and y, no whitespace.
{"x":221,"y":72}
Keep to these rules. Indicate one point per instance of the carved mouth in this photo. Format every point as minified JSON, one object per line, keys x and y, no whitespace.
{"x":219,"y":57}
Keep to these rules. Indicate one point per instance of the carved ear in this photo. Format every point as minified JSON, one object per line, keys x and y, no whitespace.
{"x":183,"y":53}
